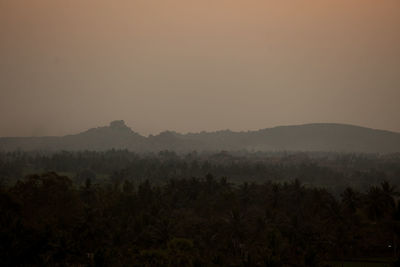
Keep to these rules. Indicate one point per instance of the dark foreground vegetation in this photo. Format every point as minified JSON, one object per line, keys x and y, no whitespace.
{"x":122,"y":209}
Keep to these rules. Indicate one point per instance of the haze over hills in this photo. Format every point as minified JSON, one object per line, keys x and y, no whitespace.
{"x":307,"y":137}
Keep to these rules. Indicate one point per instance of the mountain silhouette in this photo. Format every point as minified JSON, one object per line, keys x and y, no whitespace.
{"x":308,"y":137}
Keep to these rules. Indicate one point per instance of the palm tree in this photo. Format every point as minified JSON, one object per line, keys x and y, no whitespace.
{"x":390,"y":193}
{"x":375,"y":203}
{"x":350,"y":199}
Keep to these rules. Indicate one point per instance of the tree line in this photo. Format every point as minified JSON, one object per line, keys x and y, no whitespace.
{"x":334,"y":171}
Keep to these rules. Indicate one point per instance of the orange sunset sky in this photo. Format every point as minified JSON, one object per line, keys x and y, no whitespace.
{"x":189,"y":65}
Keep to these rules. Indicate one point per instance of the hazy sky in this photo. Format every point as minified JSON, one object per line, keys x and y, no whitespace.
{"x":185,"y":65}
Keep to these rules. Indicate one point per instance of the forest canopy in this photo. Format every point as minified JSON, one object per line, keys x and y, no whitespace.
{"x":118,"y":208}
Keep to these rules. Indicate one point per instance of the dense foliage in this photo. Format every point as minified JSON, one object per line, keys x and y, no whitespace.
{"x":123,"y":209}
{"x":47,"y":220}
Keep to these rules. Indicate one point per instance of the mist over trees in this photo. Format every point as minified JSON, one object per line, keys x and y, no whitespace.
{"x":288,"y":196}
{"x":233,"y":193}
{"x":334,"y":171}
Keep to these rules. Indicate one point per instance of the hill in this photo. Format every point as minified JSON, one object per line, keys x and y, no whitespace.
{"x":308,"y":137}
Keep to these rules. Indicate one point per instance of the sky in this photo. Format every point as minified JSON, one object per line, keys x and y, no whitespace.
{"x":189,"y":66}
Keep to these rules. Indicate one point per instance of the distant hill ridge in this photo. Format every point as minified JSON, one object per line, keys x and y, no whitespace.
{"x":308,"y":137}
